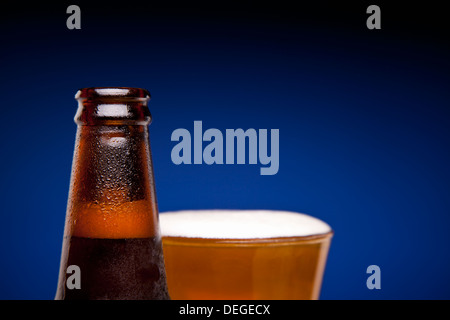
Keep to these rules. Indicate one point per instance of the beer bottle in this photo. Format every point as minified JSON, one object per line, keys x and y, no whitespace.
{"x":112,"y":243}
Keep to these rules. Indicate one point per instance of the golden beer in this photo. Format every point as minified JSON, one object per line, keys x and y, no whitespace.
{"x":244,"y":254}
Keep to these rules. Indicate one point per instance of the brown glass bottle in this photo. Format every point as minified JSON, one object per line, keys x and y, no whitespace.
{"x":112,"y":230}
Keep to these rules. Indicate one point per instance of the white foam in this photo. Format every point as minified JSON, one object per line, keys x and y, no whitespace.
{"x":239,"y":224}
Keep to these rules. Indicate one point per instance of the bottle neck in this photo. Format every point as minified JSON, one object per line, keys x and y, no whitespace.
{"x":113,"y":162}
{"x":112,"y":190}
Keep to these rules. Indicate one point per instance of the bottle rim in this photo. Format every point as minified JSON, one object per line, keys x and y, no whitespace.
{"x":107,"y":93}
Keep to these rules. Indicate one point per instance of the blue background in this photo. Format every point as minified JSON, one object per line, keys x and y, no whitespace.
{"x":363,"y":116}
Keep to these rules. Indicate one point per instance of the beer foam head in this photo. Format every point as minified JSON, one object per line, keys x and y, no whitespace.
{"x":240,"y":224}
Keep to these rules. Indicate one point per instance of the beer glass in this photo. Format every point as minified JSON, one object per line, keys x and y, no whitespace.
{"x":244,"y":254}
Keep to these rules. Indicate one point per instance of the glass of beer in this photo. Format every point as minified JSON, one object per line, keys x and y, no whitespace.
{"x":244,"y":254}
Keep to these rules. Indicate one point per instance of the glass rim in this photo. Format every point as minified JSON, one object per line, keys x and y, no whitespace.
{"x":246,"y":242}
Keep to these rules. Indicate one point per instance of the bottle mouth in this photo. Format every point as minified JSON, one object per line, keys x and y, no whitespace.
{"x":112,"y":106}
{"x":113,"y":93}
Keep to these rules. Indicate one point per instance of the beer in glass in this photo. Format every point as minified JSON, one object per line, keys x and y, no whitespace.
{"x":244,"y":254}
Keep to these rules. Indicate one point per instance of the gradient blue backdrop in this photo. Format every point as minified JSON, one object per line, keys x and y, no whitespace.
{"x":363,"y":117}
